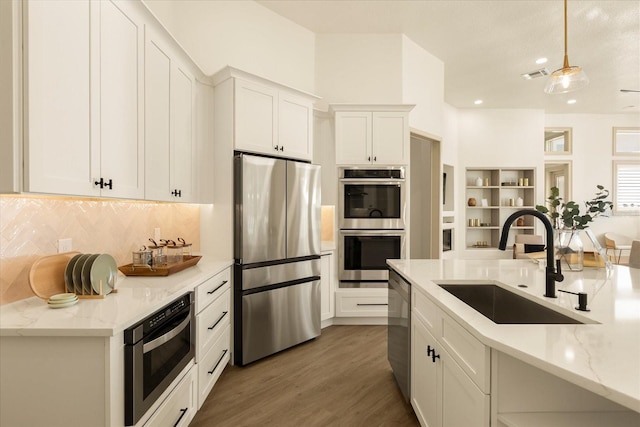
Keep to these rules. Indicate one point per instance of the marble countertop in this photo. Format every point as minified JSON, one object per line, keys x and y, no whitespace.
{"x":602,"y":356}
{"x":136,"y":298}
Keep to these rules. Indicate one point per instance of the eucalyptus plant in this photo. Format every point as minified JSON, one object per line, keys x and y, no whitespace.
{"x":567,"y":215}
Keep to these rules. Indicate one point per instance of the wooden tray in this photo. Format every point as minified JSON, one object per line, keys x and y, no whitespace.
{"x":165,"y":270}
{"x":46,"y":276}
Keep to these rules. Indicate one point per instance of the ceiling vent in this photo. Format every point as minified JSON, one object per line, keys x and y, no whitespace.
{"x":535,"y":74}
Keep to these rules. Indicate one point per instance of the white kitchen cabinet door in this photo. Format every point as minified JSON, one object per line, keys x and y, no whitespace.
{"x":121,"y":141}
{"x":459,"y":391}
{"x":157,"y":119}
{"x":255,"y":117}
{"x":353,"y":138}
{"x":426,"y":377}
{"x":182,"y":120}
{"x":57,"y":99}
{"x":390,"y":138}
{"x":327,"y":289}
{"x":295,"y":126}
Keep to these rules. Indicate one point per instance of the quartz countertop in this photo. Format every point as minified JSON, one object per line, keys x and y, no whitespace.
{"x":602,"y":356}
{"x":137,"y":297}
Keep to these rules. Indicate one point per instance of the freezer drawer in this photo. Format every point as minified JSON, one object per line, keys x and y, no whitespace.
{"x":278,"y":319}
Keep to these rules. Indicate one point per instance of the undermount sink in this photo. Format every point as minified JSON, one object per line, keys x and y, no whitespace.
{"x":502,"y":306}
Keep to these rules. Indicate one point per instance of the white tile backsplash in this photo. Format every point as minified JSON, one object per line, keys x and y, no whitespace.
{"x":30,"y":227}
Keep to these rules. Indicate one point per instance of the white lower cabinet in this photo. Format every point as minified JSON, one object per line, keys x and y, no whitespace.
{"x":367,"y":302}
{"x":327,"y":286}
{"x":179,"y":408}
{"x":213,"y":325}
{"x":443,"y":394}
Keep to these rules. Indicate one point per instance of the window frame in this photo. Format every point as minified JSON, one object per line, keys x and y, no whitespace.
{"x":615,"y":141}
{"x":568,"y":141}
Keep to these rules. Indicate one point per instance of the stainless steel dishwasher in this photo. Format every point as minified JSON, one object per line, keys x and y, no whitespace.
{"x":399,"y":331}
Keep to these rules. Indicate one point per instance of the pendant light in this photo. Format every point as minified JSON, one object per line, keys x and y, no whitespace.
{"x":567,"y":78}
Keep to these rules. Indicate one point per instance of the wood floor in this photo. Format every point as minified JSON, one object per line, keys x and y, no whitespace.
{"x":342,"y":378}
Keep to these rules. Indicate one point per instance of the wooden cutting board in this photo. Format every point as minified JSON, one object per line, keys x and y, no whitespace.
{"x":46,"y":276}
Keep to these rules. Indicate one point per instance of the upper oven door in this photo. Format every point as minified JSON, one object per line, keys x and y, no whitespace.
{"x":372,"y":204}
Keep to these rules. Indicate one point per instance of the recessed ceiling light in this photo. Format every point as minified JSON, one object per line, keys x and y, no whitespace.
{"x":571,"y":101}
{"x":478,"y":101}
{"x":541,"y":61}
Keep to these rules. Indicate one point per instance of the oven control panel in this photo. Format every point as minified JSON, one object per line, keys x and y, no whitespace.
{"x":154,"y":320}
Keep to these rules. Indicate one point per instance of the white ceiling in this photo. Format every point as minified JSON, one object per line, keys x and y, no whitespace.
{"x":486,"y":45}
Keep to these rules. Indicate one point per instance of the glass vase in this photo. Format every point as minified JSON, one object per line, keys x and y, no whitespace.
{"x":569,"y":249}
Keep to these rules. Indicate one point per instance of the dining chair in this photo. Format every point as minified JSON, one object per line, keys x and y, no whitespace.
{"x":617,"y":243}
{"x":634,"y":256}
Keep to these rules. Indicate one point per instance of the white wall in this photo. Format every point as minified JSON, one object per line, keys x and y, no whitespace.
{"x":423,"y":85}
{"x":496,"y":138}
{"x":592,"y":159}
{"x":359,"y":68}
{"x":242,"y":34}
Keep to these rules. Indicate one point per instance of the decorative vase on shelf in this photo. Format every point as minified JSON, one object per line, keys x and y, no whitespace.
{"x":471,"y":201}
{"x":519,"y":201}
{"x":479,"y":182}
{"x":569,"y":249}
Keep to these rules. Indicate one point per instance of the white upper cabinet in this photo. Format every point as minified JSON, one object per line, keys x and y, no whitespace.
{"x":83,"y":75}
{"x":255,"y":117}
{"x":57,"y":98}
{"x":372,"y":134}
{"x":295,"y":126}
{"x":120,"y":166}
{"x":269,"y":118}
{"x":169,"y":122}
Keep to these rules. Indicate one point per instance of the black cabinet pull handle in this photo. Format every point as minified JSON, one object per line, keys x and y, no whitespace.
{"x":277,"y":147}
{"x":375,"y":158}
{"x":218,"y":362}
{"x":369,"y":159}
{"x":224,"y":313}
{"x":177,"y":193}
{"x":221,"y":285}
{"x":434,"y":356}
{"x":282,"y":148}
{"x":102,"y":183}
{"x":183,"y":412}
{"x":429,"y":350}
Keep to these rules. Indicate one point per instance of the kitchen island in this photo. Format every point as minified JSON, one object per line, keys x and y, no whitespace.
{"x":65,"y":367}
{"x":589,"y":373}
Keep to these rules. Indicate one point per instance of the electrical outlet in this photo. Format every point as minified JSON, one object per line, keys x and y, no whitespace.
{"x":156,"y":234}
{"x":65,"y":245}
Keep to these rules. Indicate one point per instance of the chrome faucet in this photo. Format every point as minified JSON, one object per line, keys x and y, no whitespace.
{"x":552,"y":275}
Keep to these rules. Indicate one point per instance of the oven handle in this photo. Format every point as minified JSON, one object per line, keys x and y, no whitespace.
{"x":389,"y":232}
{"x":151,"y":345}
{"x":385,"y":181}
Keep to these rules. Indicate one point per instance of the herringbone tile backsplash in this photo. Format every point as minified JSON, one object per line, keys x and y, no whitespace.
{"x":31,"y":226}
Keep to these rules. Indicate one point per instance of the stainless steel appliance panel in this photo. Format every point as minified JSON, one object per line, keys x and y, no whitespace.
{"x":261,"y":185}
{"x":372,"y":198}
{"x":363,"y":254}
{"x":272,"y":274}
{"x":303,"y":209}
{"x":278,"y":319}
{"x":399,"y":331}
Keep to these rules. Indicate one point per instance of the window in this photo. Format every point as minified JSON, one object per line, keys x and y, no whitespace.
{"x":626,"y":141}
{"x":626,"y":194}
{"x":557,"y":140}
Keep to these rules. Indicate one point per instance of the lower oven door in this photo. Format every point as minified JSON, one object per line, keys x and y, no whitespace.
{"x":152,"y":363}
{"x":363,"y":254}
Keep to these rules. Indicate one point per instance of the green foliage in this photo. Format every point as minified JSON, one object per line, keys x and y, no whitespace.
{"x":567,"y":215}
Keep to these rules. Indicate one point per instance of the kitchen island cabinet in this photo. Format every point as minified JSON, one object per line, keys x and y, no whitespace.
{"x":531,"y":374}
{"x":65,"y":367}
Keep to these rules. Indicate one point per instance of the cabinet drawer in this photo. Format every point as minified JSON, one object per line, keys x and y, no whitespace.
{"x":428,"y":312}
{"x":361,"y":305}
{"x":178,"y":409}
{"x":212,"y":364}
{"x":212,"y":288}
{"x":211,"y":322}
{"x":472,"y":356}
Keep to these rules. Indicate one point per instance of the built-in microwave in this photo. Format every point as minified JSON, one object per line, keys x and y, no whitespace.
{"x":372,"y":198}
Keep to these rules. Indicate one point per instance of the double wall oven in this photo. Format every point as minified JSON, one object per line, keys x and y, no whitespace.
{"x":372,"y":224}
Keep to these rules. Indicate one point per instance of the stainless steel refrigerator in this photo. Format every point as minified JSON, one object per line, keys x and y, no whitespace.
{"x":277,"y":255}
